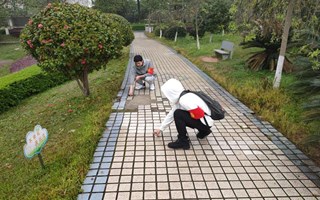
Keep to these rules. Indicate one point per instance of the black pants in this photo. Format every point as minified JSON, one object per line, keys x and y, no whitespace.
{"x":183,"y":120}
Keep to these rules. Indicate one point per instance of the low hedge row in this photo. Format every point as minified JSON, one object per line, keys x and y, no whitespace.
{"x":138,"y":27}
{"x":14,"y":93}
{"x":20,"y":75}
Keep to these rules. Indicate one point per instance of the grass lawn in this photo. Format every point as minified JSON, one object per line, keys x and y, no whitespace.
{"x":254,"y":88}
{"x":9,"y":53}
{"x":74,"y":123}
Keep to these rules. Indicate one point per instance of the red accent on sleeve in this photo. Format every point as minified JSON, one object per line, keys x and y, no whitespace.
{"x":150,"y":70}
{"x":196,"y":113}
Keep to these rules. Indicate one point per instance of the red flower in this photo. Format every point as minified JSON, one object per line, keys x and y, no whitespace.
{"x":30,"y":43}
{"x":100,"y":46}
{"x":70,"y":110}
{"x":40,"y":25}
{"x":30,"y":22}
{"x":62,"y":44}
{"x":49,"y":5}
{"x":66,"y":27}
{"x":83,"y":61}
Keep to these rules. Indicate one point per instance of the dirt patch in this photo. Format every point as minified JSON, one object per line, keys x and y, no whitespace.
{"x":209,"y":59}
{"x":138,"y":100}
{"x":22,"y":63}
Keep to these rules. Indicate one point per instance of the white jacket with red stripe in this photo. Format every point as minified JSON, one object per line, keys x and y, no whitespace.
{"x":189,"y":101}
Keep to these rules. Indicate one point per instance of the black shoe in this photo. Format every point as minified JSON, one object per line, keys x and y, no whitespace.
{"x":203,"y":134}
{"x":180,"y":144}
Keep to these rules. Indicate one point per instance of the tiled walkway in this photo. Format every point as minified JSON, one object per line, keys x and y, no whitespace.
{"x":244,"y":158}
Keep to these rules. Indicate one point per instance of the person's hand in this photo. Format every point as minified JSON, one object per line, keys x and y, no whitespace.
{"x":138,"y":77}
{"x":157,"y":132}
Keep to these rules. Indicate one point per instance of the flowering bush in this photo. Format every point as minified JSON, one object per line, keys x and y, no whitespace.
{"x":73,"y":40}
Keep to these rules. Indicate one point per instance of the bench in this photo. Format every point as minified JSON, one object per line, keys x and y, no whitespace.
{"x":226,"y":50}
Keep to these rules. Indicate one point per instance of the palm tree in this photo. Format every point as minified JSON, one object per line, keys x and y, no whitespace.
{"x":308,"y":85}
{"x":268,"y":34}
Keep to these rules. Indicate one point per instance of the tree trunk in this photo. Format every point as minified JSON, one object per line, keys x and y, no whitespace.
{"x":86,"y":90}
{"x":160,"y":33}
{"x":176,"y":36}
{"x":138,"y":4}
{"x":211,"y":37}
{"x":83,"y":82}
{"x":197,"y":32}
{"x":198,"y":42}
{"x":285,"y":34}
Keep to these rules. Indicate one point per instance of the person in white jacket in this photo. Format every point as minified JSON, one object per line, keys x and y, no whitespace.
{"x":187,"y":111}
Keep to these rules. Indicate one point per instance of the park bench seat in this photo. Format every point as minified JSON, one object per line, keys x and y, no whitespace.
{"x":226,"y":50}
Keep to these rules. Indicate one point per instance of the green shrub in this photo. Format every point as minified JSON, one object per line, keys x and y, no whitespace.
{"x":125,"y":28}
{"x":14,"y":93}
{"x":192,"y":31}
{"x":73,"y":40}
{"x":20,"y":75}
{"x":171,"y":32}
{"x":138,"y":27}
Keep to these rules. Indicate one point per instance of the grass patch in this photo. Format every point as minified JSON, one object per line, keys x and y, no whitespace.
{"x":5,"y":69}
{"x":11,"y":52}
{"x":254,"y":88}
{"x":20,"y":75}
{"x":75,"y":124}
{"x":10,"y":38}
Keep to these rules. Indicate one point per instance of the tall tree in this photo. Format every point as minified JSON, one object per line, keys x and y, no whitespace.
{"x":139,"y":10}
{"x":125,"y":8}
{"x":196,"y":10}
{"x":218,"y":16}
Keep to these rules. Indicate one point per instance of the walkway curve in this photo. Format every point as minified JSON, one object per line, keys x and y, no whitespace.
{"x":244,"y":158}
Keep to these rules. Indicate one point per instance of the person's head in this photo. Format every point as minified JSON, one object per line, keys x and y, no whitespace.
{"x":138,"y":60}
{"x":172,"y":90}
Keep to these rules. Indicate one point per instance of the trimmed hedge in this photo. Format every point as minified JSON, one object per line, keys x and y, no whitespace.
{"x":19,"y":76}
{"x":138,"y":27}
{"x":14,"y":93}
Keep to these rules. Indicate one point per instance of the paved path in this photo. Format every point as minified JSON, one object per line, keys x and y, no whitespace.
{"x":244,"y":158}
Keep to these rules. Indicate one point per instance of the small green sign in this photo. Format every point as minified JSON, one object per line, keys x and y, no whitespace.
{"x":36,"y":140}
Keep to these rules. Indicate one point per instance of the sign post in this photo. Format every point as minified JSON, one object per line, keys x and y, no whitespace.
{"x":35,"y":141}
